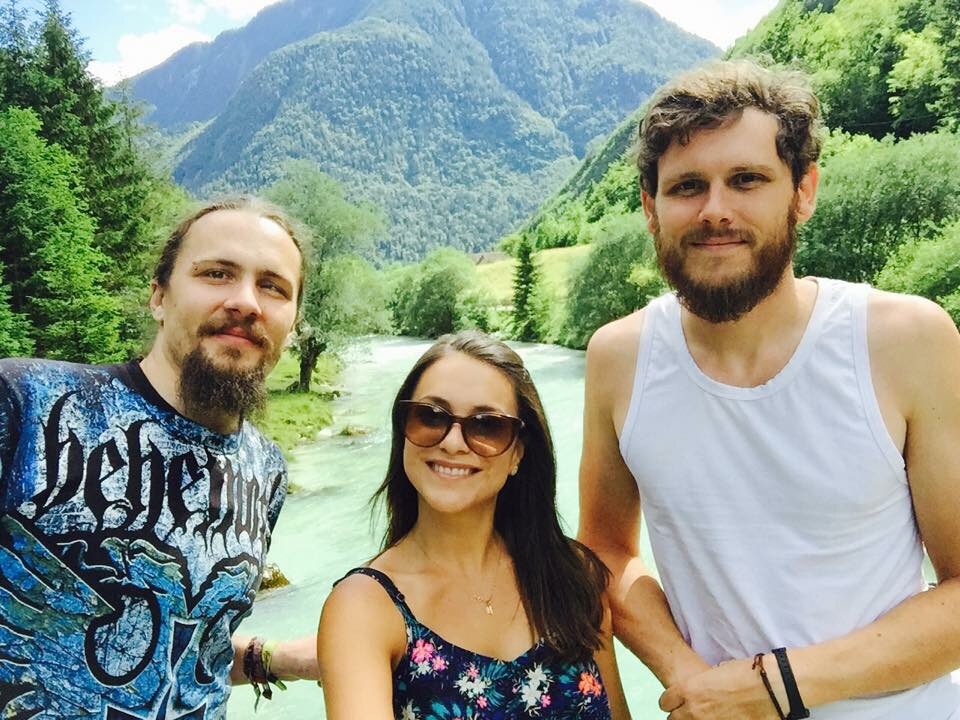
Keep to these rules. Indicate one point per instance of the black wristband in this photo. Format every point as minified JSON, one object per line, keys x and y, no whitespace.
{"x":798,"y":710}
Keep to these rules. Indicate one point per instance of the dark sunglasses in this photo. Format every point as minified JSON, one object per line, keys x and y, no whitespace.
{"x":488,"y":434}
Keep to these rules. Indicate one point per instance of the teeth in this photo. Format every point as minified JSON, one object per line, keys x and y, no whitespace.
{"x":450,"y":471}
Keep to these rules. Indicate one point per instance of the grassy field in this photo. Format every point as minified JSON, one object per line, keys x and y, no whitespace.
{"x":291,"y":419}
{"x":556,"y":268}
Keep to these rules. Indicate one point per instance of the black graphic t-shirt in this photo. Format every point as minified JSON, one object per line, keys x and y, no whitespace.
{"x":131,"y":545}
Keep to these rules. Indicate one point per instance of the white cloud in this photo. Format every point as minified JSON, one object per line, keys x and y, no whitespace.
{"x":238,"y":9}
{"x":139,"y":52}
{"x":720,"y":21}
{"x":188,"y":12}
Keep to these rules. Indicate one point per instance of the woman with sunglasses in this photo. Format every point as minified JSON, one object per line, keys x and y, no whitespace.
{"x":478,"y":606}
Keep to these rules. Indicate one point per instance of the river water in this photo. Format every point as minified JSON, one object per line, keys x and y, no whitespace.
{"x":325,"y":527}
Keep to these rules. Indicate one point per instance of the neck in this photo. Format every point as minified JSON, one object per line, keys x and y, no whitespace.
{"x":164,"y":375}
{"x":749,"y":351}
{"x":466,"y":542}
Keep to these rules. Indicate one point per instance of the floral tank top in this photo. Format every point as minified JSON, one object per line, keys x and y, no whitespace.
{"x":437,"y":680}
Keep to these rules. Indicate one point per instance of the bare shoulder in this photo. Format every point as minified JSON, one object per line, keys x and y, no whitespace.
{"x":613,"y":347}
{"x":906,"y":325}
{"x":913,"y":342}
{"x":359,"y":601}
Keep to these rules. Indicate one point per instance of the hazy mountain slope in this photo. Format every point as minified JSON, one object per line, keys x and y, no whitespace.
{"x":196,"y":83}
{"x":459,"y":116}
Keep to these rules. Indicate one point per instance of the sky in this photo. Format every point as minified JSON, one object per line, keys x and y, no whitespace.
{"x":125,"y":37}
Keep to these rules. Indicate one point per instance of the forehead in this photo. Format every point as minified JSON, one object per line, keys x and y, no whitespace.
{"x":465,"y":383}
{"x":241,"y":237}
{"x":746,"y":140}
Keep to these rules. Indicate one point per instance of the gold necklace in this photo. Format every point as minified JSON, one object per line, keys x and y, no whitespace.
{"x":485,"y":601}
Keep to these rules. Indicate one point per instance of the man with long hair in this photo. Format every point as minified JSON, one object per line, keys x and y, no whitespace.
{"x":793,"y":441}
{"x":137,"y":501}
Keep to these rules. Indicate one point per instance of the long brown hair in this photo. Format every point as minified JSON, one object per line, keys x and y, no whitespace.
{"x":560,"y":580}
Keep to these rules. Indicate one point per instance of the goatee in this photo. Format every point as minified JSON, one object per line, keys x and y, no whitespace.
{"x":207,"y":389}
{"x":718,"y":303}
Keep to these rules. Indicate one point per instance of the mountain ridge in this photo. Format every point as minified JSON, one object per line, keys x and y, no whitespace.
{"x":458,"y":116}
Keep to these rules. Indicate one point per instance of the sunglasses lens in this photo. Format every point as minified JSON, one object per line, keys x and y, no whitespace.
{"x":489,"y":435}
{"x":426,"y":425}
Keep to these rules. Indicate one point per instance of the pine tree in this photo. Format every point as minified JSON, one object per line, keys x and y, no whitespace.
{"x":14,"y":327}
{"x":55,"y":274}
{"x":526,"y":323}
{"x":43,"y":68}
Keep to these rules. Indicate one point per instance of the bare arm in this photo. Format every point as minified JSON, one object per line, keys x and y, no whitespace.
{"x":291,"y":660}
{"x":361,"y":634}
{"x":919,"y":640}
{"x":610,"y":512}
{"x":606,"y":660}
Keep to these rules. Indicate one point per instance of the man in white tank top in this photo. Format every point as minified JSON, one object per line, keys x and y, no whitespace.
{"x":794,"y":442}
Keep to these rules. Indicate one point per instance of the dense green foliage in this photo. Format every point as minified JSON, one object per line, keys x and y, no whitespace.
{"x":879,"y":66}
{"x":876,"y":195}
{"x":617,"y":278}
{"x":343,"y":295}
{"x":80,"y":207}
{"x":55,"y":274}
{"x":457,"y":116}
{"x":426,"y":300}
{"x":929,"y":267}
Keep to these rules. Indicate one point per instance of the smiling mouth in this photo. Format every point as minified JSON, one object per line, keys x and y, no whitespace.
{"x":719,"y":242}
{"x":451,"y":472}
{"x":235,"y":335}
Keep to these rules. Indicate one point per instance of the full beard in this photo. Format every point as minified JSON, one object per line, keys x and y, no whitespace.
{"x":730,"y":301}
{"x":207,"y":389}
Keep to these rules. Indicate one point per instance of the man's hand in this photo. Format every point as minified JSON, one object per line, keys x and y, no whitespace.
{"x":730,"y":691}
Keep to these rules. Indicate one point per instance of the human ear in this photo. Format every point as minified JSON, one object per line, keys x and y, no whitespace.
{"x":807,"y":193}
{"x":156,"y":301}
{"x":517,"y":457}
{"x":650,"y":210}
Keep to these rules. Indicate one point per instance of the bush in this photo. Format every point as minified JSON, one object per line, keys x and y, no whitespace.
{"x":425,"y":295}
{"x":930,"y":268}
{"x":873,"y":197}
{"x":602,"y":289}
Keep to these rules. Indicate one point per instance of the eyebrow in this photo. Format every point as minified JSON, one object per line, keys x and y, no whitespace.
{"x":758,"y":168}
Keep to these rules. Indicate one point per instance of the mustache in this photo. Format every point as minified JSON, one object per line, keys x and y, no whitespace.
{"x":701,"y":234}
{"x":213,"y":327}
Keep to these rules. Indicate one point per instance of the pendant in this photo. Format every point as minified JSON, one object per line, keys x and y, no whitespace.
{"x":489,"y":608}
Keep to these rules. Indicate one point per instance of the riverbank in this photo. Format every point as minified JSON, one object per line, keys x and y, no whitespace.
{"x":292,"y":419}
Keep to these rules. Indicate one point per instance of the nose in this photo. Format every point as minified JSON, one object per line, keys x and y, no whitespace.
{"x":243,"y":299}
{"x":454,"y":442}
{"x":716,"y":206}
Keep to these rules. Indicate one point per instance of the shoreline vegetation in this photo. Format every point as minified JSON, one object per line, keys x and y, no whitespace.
{"x":293,"y":418}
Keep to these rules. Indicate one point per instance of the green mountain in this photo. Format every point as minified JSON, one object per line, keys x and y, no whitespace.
{"x":457,"y":116}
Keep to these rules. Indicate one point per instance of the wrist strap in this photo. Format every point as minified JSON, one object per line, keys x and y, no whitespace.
{"x":758,"y":663}
{"x":256,"y":666}
{"x":798,"y":710}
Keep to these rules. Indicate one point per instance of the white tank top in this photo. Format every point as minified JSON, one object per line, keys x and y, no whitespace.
{"x":779,"y":515}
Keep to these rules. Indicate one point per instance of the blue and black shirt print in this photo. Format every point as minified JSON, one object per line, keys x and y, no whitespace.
{"x":131,"y":545}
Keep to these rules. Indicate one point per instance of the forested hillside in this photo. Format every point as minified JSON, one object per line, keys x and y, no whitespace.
{"x":888,"y":74}
{"x":80,"y":208}
{"x":458,"y":116}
